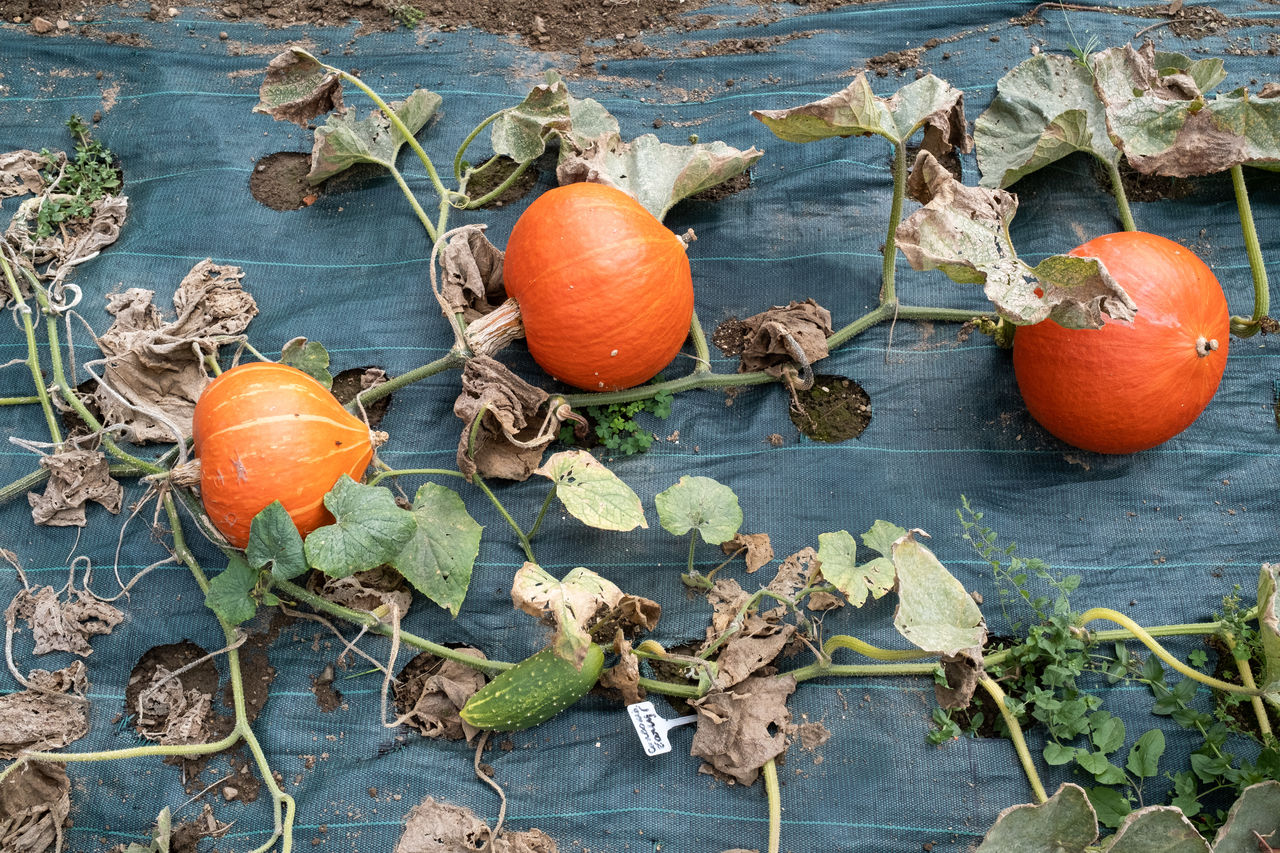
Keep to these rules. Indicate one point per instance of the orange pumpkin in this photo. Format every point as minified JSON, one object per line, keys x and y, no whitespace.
{"x":265,"y":432}
{"x":604,"y":288}
{"x":1130,"y":386}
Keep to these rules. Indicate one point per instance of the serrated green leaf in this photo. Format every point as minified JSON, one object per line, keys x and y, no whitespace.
{"x":1065,"y":823}
{"x":344,"y":140}
{"x":837,"y":554}
{"x":1144,"y":755}
{"x":1157,"y":829}
{"x":701,"y":504}
{"x":230,"y":592}
{"x":934,"y":611}
{"x":369,"y":529}
{"x":1269,"y":628}
{"x":964,"y":232}
{"x":439,"y":556}
{"x":310,"y":357}
{"x":1044,"y":109}
{"x":522,"y":132}
{"x":1256,"y":813}
{"x":881,"y":536}
{"x":1110,"y":806}
{"x":274,"y":540}
{"x":298,"y":88}
{"x":655,"y":173}
{"x":592,"y":493}
{"x":1159,"y":114}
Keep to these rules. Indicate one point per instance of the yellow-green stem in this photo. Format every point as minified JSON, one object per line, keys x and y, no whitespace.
{"x":853,"y":644}
{"x":371,"y":395}
{"x":1248,"y":326}
{"x":466,"y":143}
{"x":413,"y":202}
{"x":771,"y":791}
{"x":1246,"y":679}
{"x":33,"y":354}
{"x":1121,"y":197}
{"x":1015,"y":734}
{"x":19,"y":401}
{"x":887,"y":287}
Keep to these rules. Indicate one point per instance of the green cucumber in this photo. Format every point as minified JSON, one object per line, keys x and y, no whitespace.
{"x":533,"y":691}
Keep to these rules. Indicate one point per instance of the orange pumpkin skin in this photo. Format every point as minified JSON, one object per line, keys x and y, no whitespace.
{"x":1130,"y":386}
{"x":604,"y":288}
{"x":265,"y":432}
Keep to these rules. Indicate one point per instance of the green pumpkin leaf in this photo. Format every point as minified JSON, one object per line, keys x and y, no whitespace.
{"x":344,"y":140}
{"x":655,"y":173}
{"x":1269,"y":628}
{"x":298,"y":88}
{"x":549,"y":111}
{"x":274,"y":540}
{"x":837,"y":554}
{"x":1255,"y":813}
{"x":310,"y":357}
{"x":1065,"y":823}
{"x":1144,"y":755}
{"x":857,"y":111}
{"x":934,"y":612}
{"x":1160,"y":116}
{"x":369,"y":530}
{"x":701,"y":504}
{"x":881,"y":536}
{"x":592,"y":493}
{"x":1044,"y":109}
{"x":1157,"y":829}
{"x":964,"y":232}
{"x":230,"y":593}
{"x":441,"y":552}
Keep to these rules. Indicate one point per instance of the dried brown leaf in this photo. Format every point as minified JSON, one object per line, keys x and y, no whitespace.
{"x":20,"y":173}
{"x":962,"y":672}
{"x":431,"y":691}
{"x":62,"y":626}
{"x":76,"y":476}
{"x":35,"y":802}
{"x":169,"y":713}
{"x":365,"y":591}
{"x":792,"y":334}
{"x":76,"y":241}
{"x":733,"y":735}
{"x":155,"y":367}
{"x":757,"y":545}
{"x":795,"y":573}
{"x":624,"y":676}
{"x":471,"y":279}
{"x":297,"y":88}
{"x":51,"y":713}
{"x":742,"y":657}
{"x":501,"y":411}
{"x":435,"y":826}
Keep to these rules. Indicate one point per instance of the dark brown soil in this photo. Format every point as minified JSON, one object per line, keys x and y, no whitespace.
{"x":328,"y":698}
{"x":348,"y":383}
{"x":492,"y":177}
{"x":730,"y":337}
{"x":835,"y":409}
{"x":1139,"y":187}
{"x":279,"y":181}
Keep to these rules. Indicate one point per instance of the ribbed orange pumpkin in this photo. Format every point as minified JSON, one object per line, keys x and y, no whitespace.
{"x":604,"y":288}
{"x":265,"y":432}
{"x":1130,"y":386}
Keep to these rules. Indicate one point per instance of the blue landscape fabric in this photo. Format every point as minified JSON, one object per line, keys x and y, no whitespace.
{"x":1161,"y":535}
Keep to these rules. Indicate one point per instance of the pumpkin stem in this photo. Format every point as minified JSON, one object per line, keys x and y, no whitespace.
{"x":1204,"y":346}
{"x":493,"y":331}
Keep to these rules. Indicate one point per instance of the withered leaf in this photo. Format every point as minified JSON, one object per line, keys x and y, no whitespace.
{"x":155,"y":367}
{"x":733,"y":736}
{"x":366,"y":591}
{"x":727,"y":600}
{"x":471,"y":274}
{"x":62,"y":626}
{"x":431,"y":691}
{"x":793,"y":334}
{"x":510,"y":435}
{"x":76,"y":476}
{"x":78,"y":240}
{"x":434,"y":826}
{"x":795,"y":573}
{"x":169,"y":713}
{"x":577,"y":603}
{"x":624,"y":676}
{"x":962,"y":671}
{"x":759,"y":550}
{"x":51,"y":713}
{"x":744,"y":656}
{"x":35,"y":802}
{"x":298,"y":88}
{"x":20,"y":173}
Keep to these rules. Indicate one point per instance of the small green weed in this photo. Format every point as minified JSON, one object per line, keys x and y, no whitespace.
{"x":77,"y":184}
{"x":616,"y":428}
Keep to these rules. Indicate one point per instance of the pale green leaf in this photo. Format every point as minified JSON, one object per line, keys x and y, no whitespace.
{"x":934,"y":612}
{"x":837,"y":554}
{"x":592,"y":493}
{"x":1144,"y":755}
{"x":161,"y":836}
{"x":1255,"y":813}
{"x":701,"y":504}
{"x":1066,"y":823}
{"x":310,"y":357}
{"x":298,"y":88}
{"x":572,"y":603}
{"x":439,"y":556}
{"x":344,"y":140}
{"x":881,"y":536}
{"x":549,"y":111}
{"x":274,"y":540}
{"x":369,"y":529}
{"x":1157,"y":829}
{"x":1044,"y":109}
{"x":964,"y":232}
{"x":657,"y":174}
{"x":230,"y":594}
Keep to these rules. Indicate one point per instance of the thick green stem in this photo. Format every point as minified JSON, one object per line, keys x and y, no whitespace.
{"x":1241,"y":326}
{"x":706,"y":379}
{"x":1246,"y":679}
{"x":774,"y":795}
{"x":33,"y":354}
{"x":1015,"y":734}
{"x":291,"y":590}
{"x":19,"y":401}
{"x":542,"y":513}
{"x":371,"y":395}
{"x":413,"y":202}
{"x":466,"y":143}
{"x":844,"y":641}
{"x":701,"y":352}
{"x":887,"y":292}
{"x":1121,"y":197}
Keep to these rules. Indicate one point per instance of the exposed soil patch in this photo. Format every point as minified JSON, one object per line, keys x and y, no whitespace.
{"x":835,"y":409}
{"x":734,"y":185}
{"x":730,"y":337}
{"x":1140,"y":187}
{"x":493,"y":176}
{"x":279,"y":181}
{"x":350,"y":382}
{"x":328,"y":698}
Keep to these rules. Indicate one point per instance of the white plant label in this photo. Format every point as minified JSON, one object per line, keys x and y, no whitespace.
{"x":652,"y":728}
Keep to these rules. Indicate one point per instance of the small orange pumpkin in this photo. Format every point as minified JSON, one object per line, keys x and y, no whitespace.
{"x":1130,"y":386}
{"x":604,"y":288}
{"x":265,"y":432}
